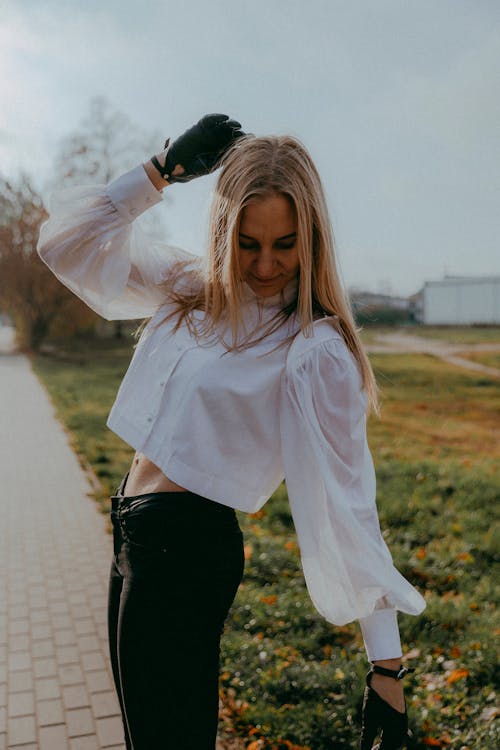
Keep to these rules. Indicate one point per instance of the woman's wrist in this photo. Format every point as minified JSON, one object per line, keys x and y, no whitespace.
{"x":153,"y":173}
{"x":155,"y":176}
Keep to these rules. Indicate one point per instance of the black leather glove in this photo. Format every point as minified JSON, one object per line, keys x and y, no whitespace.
{"x":377,"y":715}
{"x":199,"y":148}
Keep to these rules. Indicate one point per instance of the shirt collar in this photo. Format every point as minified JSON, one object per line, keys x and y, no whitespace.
{"x":275,"y":301}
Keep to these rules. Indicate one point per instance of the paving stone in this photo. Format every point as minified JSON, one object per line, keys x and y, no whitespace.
{"x":84,"y":743}
{"x":80,"y":721}
{"x":75,"y":696}
{"x":62,"y":621}
{"x":21,"y":704}
{"x":17,"y":611}
{"x":19,"y":681}
{"x":71,"y":674}
{"x":21,"y":730}
{"x":110,"y":731}
{"x":45,"y":667}
{"x":105,"y":704}
{"x":85,"y":627}
{"x":98,"y":680}
{"x":16,"y":627}
{"x":19,"y":660}
{"x":39,"y":615}
{"x":89,"y":643}
{"x":93,"y":660}
{"x":68,"y":655}
{"x":42,"y":648}
{"x":53,"y":738}
{"x":47,"y":687}
{"x":64,"y":637}
{"x":41,"y":630}
{"x":50,"y":712}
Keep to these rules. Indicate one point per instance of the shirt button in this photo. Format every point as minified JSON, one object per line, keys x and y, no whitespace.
{"x":150,"y":419}
{"x":162,"y":383}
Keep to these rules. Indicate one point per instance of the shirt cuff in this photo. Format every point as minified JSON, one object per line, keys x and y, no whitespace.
{"x":381,"y":635}
{"x":133,"y":193}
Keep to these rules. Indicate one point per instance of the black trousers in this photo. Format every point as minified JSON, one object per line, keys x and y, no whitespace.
{"x":177,"y":563}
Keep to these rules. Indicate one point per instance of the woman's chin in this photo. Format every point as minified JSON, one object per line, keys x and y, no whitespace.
{"x":265,"y":290}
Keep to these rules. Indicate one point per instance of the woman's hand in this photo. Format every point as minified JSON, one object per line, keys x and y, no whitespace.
{"x":197,"y":151}
{"x":384,"y":709}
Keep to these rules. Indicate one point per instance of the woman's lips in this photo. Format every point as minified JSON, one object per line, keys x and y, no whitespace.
{"x":266,"y":281}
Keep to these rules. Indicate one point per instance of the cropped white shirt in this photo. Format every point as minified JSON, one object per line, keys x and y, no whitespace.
{"x":232,"y":427}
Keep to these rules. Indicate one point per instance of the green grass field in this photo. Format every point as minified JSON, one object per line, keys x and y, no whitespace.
{"x":459,"y":334}
{"x":289,"y":679}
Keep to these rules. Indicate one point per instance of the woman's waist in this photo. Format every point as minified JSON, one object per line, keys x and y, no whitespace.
{"x":182,"y":502}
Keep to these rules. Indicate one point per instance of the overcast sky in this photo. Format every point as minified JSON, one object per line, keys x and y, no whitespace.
{"x":397,"y":101}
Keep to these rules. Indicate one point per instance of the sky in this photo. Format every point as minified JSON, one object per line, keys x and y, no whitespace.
{"x":397,"y":102}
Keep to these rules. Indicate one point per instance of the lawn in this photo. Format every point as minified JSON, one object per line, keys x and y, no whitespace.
{"x":458,"y":334}
{"x":289,"y":679}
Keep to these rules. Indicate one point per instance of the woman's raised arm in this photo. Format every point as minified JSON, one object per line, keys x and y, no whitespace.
{"x":90,"y":241}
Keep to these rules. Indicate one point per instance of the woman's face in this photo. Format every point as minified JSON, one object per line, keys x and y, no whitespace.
{"x":268,"y":244}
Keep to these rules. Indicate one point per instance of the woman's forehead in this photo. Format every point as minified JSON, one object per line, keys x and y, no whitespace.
{"x":275,"y":209}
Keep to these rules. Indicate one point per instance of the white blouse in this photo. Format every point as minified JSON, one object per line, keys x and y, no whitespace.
{"x":231,"y":426}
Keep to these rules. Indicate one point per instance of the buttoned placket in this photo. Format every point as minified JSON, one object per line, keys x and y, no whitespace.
{"x":166,"y":376}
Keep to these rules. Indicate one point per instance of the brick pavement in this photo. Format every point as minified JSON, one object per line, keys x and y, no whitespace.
{"x":56,"y":689}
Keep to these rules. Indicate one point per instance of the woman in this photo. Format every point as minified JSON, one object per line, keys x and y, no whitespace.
{"x":217,"y":425}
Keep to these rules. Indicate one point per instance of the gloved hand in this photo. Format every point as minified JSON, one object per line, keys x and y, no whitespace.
{"x":199,"y":148}
{"x":377,"y":715}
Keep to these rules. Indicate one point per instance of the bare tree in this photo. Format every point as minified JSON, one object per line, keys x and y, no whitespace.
{"x":29,"y":292}
{"x":105,"y":145}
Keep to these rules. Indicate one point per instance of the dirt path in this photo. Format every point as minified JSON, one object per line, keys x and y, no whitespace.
{"x":407,"y":342}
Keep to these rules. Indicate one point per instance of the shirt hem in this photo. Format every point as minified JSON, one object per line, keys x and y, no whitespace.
{"x":212,"y":487}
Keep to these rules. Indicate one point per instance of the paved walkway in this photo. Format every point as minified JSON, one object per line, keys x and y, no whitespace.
{"x":406,"y":342}
{"x":56,"y":689}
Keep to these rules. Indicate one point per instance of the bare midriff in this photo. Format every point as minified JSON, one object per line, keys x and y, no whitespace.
{"x":144,"y":476}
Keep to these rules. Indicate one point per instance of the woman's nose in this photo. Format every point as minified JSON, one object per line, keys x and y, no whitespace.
{"x":265,"y":267}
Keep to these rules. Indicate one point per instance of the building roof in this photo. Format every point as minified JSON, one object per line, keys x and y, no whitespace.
{"x":453,"y":280}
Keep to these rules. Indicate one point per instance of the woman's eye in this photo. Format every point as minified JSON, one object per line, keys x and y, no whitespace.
{"x":255,"y":247}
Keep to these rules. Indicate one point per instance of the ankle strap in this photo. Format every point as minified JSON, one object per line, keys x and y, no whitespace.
{"x":397,"y":674}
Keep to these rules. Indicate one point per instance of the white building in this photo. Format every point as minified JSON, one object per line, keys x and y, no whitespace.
{"x":459,"y":300}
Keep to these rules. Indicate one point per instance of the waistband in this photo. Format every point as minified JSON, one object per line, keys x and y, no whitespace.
{"x":183,"y":500}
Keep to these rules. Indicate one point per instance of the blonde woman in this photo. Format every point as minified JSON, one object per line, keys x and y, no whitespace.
{"x":249,"y":371}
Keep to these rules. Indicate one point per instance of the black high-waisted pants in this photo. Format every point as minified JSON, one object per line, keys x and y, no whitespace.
{"x":177,"y":563}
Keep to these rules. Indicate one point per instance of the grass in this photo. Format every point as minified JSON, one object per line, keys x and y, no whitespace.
{"x":289,"y":679}
{"x":490,"y":359}
{"x":458,"y":334}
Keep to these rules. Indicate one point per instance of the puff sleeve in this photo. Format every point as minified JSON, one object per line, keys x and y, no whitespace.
{"x":331,"y":484}
{"x":93,"y":247}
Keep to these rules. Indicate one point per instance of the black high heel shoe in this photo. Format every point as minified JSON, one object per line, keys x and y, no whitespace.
{"x":379,"y":715}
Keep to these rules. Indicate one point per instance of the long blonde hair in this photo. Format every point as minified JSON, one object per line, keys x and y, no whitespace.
{"x":256,"y":167}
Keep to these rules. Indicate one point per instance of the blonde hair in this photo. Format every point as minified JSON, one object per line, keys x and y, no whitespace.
{"x":253,"y":168}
